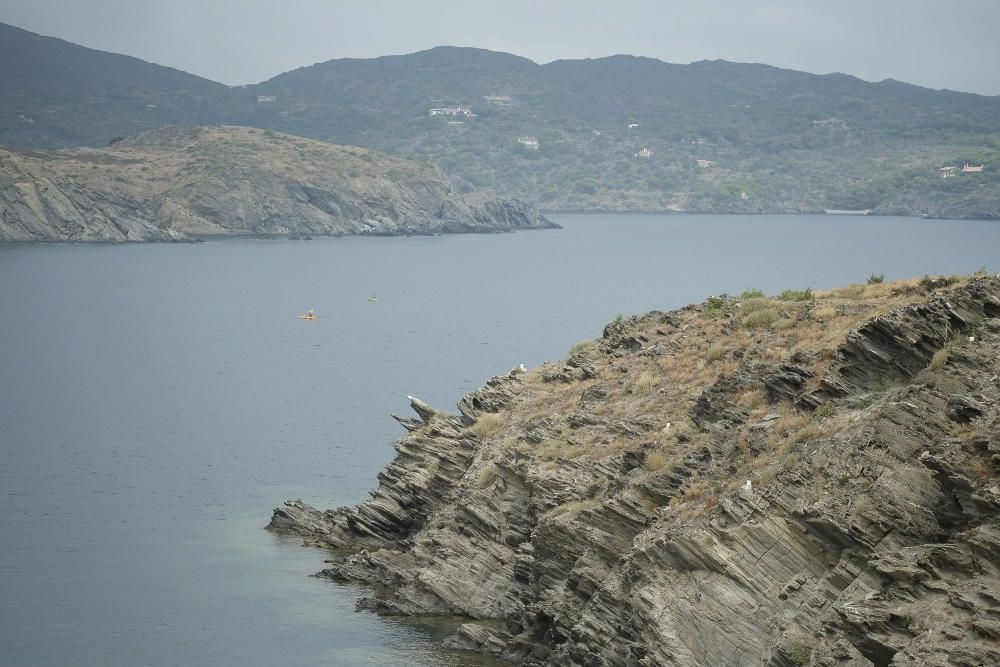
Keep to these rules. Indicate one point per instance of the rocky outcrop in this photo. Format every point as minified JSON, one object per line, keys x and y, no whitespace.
{"x":35,"y":207}
{"x":823,"y":492}
{"x":179,"y":184}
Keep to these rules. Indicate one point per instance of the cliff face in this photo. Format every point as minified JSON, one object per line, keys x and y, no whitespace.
{"x":175,"y":184}
{"x":748,"y":482}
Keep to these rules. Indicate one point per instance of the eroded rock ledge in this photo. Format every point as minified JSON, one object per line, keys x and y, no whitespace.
{"x":748,"y":482}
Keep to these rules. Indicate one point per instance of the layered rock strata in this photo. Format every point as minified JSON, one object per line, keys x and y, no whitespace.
{"x":178,"y":184}
{"x":710,"y":487}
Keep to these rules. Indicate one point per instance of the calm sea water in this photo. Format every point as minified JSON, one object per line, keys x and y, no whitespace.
{"x":157,"y":401}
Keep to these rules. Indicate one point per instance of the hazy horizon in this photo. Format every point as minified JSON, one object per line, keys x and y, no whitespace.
{"x":922,"y":43}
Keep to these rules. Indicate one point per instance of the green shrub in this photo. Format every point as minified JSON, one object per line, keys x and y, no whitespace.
{"x":761,"y":319}
{"x":881,"y":384}
{"x":800,"y":650}
{"x":796,"y":295}
{"x":826,"y":409}
{"x":714,"y":304}
{"x":752,"y":294}
{"x":876,"y":279}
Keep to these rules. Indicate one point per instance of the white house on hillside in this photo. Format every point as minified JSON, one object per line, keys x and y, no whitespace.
{"x":452,"y":111}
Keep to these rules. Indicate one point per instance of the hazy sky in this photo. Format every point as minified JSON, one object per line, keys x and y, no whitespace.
{"x":936,"y":43}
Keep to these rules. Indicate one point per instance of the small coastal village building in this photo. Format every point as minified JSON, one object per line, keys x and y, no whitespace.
{"x":528,"y":142}
{"x":972,"y":169}
{"x":644,"y":152}
{"x":452,"y":111}
{"x":704,"y":164}
{"x":947,"y":172}
{"x":830,"y":122}
{"x":267,"y":98}
{"x":498,"y":100}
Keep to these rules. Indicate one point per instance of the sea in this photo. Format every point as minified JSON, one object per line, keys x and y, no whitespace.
{"x":158,"y":401}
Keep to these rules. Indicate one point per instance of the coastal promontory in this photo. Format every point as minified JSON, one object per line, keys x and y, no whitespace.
{"x":177,"y":184}
{"x":804,"y":479}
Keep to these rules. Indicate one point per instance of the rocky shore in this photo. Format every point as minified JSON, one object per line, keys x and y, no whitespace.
{"x":810,"y":479}
{"x":178,"y":184}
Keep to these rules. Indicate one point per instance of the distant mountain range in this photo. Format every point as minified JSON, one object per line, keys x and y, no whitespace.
{"x":617,"y":133}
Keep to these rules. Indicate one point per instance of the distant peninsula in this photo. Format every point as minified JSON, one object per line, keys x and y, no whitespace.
{"x":180,"y":184}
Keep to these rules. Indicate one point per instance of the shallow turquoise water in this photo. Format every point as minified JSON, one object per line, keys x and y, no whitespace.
{"x":157,"y":401}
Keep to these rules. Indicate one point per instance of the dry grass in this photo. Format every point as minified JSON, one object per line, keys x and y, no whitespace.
{"x":825,"y":313}
{"x":645,"y":383}
{"x":560,"y":449}
{"x":789,"y":423}
{"x":752,"y":398}
{"x":487,"y":424}
{"x":755,"y":305}
{"x":695,"y":490}
{"x":939,"y":359}
{"x":773,"y":354}
{"x":981,"y":469}
{"x":570,"y":509}
{"x":655,"y":460}
{"x":849,"y":292}
{"x":808,"y":432}
{"x":486,"y":476}
{"x":715,"y":352}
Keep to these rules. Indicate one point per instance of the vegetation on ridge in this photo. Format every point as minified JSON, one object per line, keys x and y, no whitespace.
{"x":718,"y":136}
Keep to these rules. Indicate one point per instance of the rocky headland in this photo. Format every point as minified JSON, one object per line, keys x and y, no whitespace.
{"x":810,"y":479}
{"x":178,"y":184}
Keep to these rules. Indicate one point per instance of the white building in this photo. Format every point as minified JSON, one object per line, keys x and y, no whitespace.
{"x":267,"y":98}
{"x":452,"y":111}
{"x":528,"y":142}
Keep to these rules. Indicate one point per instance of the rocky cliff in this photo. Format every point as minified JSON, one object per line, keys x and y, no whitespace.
{"x":803,"y":480}
{"x":177,"y":184}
